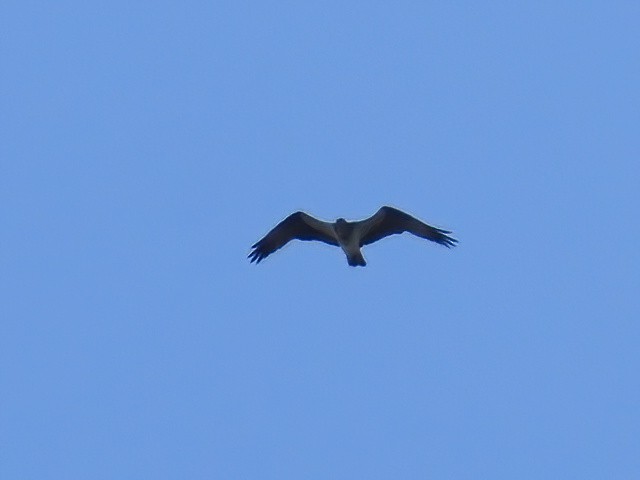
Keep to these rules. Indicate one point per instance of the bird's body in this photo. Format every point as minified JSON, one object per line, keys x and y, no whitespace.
{"x":349,"y":236}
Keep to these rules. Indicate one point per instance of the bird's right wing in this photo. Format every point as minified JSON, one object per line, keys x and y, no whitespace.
{"x":299,"y":226}
{"x":390,"y":221}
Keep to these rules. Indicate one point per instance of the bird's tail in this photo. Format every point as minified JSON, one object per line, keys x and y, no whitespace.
{"x":356,"y":259}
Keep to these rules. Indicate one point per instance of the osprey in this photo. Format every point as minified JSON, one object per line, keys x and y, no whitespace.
{"x":350,"y":236}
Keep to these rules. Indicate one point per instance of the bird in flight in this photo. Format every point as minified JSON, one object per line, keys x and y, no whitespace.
{"x":350,"y":236}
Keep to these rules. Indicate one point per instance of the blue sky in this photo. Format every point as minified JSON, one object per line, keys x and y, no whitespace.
{"x":146,"y":145}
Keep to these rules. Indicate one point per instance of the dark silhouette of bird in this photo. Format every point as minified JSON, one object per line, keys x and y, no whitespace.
{"x":350,"y":236}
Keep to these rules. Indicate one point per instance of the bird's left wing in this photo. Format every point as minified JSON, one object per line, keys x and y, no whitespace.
{"x":299,"y":226}
{"x":390,"y":221}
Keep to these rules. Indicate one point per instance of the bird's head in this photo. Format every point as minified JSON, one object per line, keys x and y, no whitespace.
{"x":341,"y":228}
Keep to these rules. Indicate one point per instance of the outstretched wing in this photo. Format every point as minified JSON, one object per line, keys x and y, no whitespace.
{"x":389,"y":221}
{"x":299,"y":226}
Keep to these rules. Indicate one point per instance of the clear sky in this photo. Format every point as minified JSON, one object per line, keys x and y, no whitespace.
{"x":145,"y":147}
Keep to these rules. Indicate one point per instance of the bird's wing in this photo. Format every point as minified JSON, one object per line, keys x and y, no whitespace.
{"x":299,"y":226}
{"x":389,"y":221}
